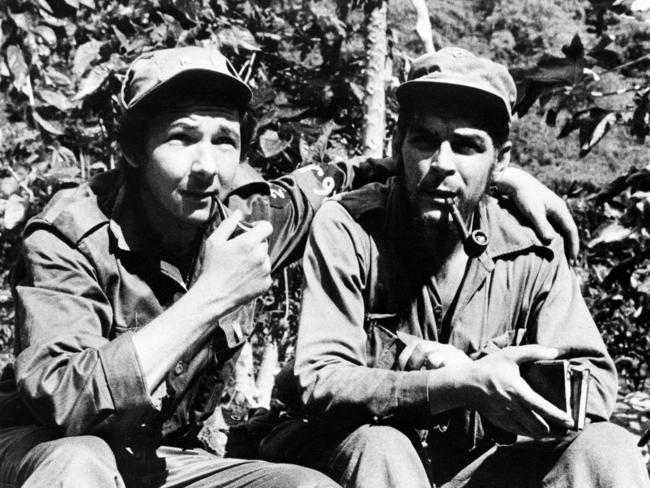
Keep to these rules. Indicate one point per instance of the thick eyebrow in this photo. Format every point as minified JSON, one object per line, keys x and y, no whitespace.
{"x":228,"y":132}
{"x":190,"y":125}
{"x":470,"y":132}
{"x":183,"y":124}
{"x":419,"y":128}
{"x":475,"y":136}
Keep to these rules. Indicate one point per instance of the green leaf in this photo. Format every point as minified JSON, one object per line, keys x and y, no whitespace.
{"x":271,"y":144}
{"x":4,"y":69}
{"x":640,"y":123}
{"x":187,"y":11}
{"x":356,"y":90}
{"x":124,"y":42}
{"x":20,"y":71}
{"x":290,"y":112}
{"x":44,"y":7}
{"x":592,"y":132}
{"x":24,"y":21}
{"x":93,"y":81}
{"x":55,"y":99}
{"x":237,"y":39}
{"x":8,"y":186}
{"x":62,"y":176}
{"x":51,"y":127}
{"x":15,"y":211}
{"x":640,"y":279}
{"x":85,"y":55}
{"x":574,"y":51}
{"x":62,"y":8}
{"x":47,"y":34}
{"x":58,"y":78}
{"x":613,"y":232}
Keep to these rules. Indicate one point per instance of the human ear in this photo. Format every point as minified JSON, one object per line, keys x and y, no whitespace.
{"x":129,"y":156}
{"x":396,"y":145}
{"x":130,"y":137}
{"x":502,"y":158}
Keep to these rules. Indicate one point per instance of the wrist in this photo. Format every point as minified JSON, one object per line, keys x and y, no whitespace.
{"x":452,"y":387}
{"x":207,"y":302}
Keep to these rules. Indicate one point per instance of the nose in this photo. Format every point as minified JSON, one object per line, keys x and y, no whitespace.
{"x":204,"y":165}
{"x":442,"y":161}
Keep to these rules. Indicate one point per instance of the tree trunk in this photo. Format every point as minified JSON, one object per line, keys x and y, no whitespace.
{"x":375,"y":92}
{"x":266,"y":374}
{"x":423,"y":25}
{"x":244,"y":377}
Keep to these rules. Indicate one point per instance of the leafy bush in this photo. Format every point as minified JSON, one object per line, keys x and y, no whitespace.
{"x":616,"y":269}
{"x":62,"y":62}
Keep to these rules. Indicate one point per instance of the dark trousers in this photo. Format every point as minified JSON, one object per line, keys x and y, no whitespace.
{"x":375,"y":456}
{"x":31,"y":457}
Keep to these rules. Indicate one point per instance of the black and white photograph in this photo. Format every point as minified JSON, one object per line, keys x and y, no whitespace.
{"x":325,"y":243}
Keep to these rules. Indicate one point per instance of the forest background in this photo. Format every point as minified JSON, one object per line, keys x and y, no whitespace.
{"x":582,"y":73}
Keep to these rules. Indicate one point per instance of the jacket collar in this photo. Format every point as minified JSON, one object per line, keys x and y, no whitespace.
{"x":128,"y":223}
{"x":506,"y":232}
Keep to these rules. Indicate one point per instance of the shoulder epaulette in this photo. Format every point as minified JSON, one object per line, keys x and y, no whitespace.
{"x":509,"y":234}
{"x":72,"y":212}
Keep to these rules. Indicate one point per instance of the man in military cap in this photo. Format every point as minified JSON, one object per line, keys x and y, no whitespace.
{"x":407,"y":323}
{"x":133,"y":290}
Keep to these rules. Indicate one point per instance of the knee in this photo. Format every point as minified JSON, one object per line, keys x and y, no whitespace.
{"x":378,"y":455}
{"x":609,"y":454}
{"x":68,"y":459}
{"x":290,"y":475}
{"x":380,"y":441}
{"x":80,"y":449}
{"x":603,"y":444}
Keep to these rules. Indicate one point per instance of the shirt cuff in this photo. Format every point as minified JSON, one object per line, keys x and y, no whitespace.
{"x":404,"y":357}
{"x":413,"y":397}
{"x":124,"y":376}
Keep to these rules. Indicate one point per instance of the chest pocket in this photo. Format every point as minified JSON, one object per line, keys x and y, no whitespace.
{"x":383,"y":347}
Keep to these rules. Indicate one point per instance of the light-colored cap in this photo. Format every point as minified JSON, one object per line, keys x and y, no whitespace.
{"x":455,"y":67}
{"x":152,"y":70}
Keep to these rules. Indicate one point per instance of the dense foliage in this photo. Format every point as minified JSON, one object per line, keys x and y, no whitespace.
{"x":616,"y":269}
{"x":62,"y":62}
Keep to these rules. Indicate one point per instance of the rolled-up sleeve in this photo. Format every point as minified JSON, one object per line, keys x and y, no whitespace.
{"x":337,"y":383}
{"x":68,"y":372}
{"x":290,"y":202}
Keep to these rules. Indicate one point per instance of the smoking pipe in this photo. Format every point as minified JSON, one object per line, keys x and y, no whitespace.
{"x":475,"y":242}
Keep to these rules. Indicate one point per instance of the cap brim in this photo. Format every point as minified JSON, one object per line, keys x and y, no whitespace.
{"x":202,"y":84}
{"x":418,"y":91}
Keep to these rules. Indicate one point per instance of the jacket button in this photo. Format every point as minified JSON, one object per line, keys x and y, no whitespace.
{"x":179,"y":368}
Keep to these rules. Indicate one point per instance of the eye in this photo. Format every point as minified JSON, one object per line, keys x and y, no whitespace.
{"x":224,"y":140}
{"x":180,"y":136}
{"x":423,"y":140}
{"x":467,"y":145}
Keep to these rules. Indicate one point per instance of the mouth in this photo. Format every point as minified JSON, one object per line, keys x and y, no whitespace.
{"x":198,"y":194}
{"x":438,"y":196}
{"x":439,"y":193}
